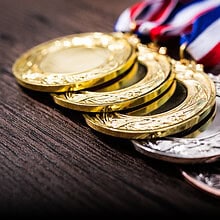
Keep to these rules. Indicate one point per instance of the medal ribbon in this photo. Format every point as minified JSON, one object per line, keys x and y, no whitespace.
{"x":159,"y":20}
{"x":181,"y":19}
{"x":203,"y":42}
{"x":153,"y":11}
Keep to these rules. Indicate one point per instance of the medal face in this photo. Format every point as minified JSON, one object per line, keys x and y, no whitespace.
{"x":74,"y":62}
{"x":199,"y":101}
{"x":157,"y":77}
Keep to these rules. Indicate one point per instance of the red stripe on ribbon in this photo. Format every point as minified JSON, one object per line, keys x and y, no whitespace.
{"x":212,"y":58}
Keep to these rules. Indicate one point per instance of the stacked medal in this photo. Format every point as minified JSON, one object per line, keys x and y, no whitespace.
{"x":129,"y":89}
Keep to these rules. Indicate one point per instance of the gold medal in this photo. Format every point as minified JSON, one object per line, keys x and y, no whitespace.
{"x":199,"y":100}
{"x":158,"y":76}
{"x":197,"y":146}
{"x":84,"y":67}
{"x":75,"y":62}
{"x":188,"y":147}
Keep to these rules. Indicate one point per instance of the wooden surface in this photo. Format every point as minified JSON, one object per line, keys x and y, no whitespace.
{"x":51,"y":162}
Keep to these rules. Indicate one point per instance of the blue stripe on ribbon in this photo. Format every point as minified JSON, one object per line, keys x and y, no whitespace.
{"x":201,"y":23}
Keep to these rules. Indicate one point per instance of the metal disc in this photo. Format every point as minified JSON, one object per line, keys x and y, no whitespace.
{"x":197,"y":105}
{"x":75,"y":62}
{"x":205,"y":177}
{"x":205,"y":147}
{"x":121,"y":95}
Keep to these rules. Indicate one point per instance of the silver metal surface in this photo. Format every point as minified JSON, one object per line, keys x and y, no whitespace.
{"x":203,"y":148}
{"x":205,"y":177}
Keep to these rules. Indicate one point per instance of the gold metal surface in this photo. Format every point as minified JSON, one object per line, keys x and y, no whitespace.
{"x":200,"y":99}
{"x":171,"y":149}
{"x":75,"y":62}
{"x":197,"y":144}
{"x":199,"y":128}
{"x":121,"y":95}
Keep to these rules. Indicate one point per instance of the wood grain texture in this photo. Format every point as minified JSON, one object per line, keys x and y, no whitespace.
{"x":51,"y":162}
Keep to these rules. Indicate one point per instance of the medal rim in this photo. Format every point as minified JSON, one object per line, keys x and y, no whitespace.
{"x":104,"y":122}
{"x":144,"y":147}
{"x":199,"y":184}
{"x":56,"y":84}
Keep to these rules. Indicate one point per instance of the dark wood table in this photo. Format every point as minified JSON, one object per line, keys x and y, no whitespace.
{"x":51,"y":162}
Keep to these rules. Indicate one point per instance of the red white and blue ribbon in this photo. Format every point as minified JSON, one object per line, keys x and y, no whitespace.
{"x":158,"y":20}
{"x":181,"y":19}
{"x":155,"y":12}
{"x":203,"y":42}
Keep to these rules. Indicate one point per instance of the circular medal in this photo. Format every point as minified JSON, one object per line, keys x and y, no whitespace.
{"x":199,"y":149}
{"x":153,"y":67}
{"x":199,"y":100}
{"x":75,"y":62}
{"x":205,"y":177}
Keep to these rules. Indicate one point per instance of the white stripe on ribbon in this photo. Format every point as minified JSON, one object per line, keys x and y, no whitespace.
{"x":147,"y":25}
{"x":123,"y":23}
{"x":186,"y":16}
{"x":140,"y":8}
{"x":155,"y":7}
{"x":125,"y":20}
{"x":168,"y":9}
{"x":188,"y":13}
{"x":202,"y":45}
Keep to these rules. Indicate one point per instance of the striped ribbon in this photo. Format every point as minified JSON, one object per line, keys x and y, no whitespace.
{"x":181,"y":19}
{"x":155,"y":12}
{"x":203,"y":42}
{"x":158,"y":20}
